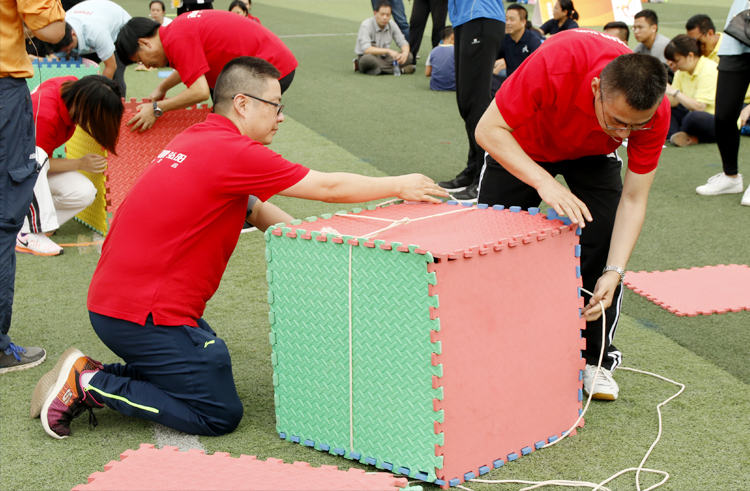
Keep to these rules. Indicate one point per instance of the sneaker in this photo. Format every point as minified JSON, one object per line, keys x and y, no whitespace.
{"x":721,"y":184}
{"x":37,"y":244}
{"x":458,"y":183}
{"x":682,"y":139}
{"x":66,"y":399}
{"x":468,"y":194}
{"x":43,"y":387}
{"x":15,"y":358}
{"x":356,"y":64}
{"x":746,"y":197}
{"x":605,"y":389}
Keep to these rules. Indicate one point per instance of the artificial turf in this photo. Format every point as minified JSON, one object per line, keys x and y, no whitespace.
{"x":339,"y":120}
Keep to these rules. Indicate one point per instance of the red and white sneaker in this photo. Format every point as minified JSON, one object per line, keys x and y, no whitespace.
{"x":37,"y":244}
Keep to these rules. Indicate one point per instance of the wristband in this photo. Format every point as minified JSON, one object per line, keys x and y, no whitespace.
{"x":617,"y":270}
{"x":676,"y":93}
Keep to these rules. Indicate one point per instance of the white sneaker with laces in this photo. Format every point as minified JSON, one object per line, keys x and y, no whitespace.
{"x":605,"y":389}
{"x":721,"y":184}
{"x":746,"y":197}
{"x":37,"y":244}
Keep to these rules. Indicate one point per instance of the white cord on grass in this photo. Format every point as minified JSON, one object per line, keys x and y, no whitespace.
{"x":600,"y":486}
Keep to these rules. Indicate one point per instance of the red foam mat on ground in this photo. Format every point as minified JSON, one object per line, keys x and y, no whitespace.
{"x":168,"y":469}
{"x":689,"y":292}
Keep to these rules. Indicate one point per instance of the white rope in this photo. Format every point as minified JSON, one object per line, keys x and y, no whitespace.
{"x":600,"y":486}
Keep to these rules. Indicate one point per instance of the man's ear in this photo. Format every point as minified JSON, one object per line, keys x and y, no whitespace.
{"x":596,"y":85}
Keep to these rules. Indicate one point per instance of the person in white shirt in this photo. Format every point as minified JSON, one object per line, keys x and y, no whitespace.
{"x":157,"y":12}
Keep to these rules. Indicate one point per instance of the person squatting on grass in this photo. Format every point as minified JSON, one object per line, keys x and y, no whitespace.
{"x":596,"y":93}
{"x":18,"y":159}
{"x":60,"y":193}
{"x":692,"y":93}
{"x":373,"y":46}
{"x":147,"y":298}
{"x":197,"y":46}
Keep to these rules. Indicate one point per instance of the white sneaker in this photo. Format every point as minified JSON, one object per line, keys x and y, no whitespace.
{"x":746,"y":197}
{"x":37,"y":244}
{"x":605,"y":389}
{"x":721,"y":184}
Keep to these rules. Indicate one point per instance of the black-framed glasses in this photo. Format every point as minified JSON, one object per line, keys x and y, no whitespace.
{"x":279,"y":107}
{"x":627,"y":127}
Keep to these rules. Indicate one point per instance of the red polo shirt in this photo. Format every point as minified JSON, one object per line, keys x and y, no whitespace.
{"x":549,"y":103}
{"x":53,"y":124}
{"x":172,"y":237}
{"x":203,"y":41}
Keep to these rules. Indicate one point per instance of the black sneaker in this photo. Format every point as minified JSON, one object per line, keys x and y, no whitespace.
{"x":468,"y":194}
{"x":458,"y":183}
{"x":16,"y":358}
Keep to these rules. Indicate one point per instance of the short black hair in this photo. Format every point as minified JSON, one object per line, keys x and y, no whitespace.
{"x":640,"y":78}
{"x":64,"y":42}
{"x":701,"y":21}
{"x":623,"y":28}
{"x":649,"y":15}
{"x":522,"y":12}
{"x":242,"y":75}
{"x":382,"y":3}
{"x":240,"y":4}
{"x":682,"y":45}
{"x":567,"y":5}
{"x":133,"y":30}
{"x":96,"y":106}
{"x":446,"y":32}
{"x":163,"y":7}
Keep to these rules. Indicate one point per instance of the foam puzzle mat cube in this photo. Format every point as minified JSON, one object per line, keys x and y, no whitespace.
{"x":45,"y":70}
{"x":445,"y":345}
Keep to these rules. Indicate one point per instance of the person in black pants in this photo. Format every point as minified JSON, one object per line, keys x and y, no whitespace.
{"x":420,"y":11}
{"x":189,"y":6}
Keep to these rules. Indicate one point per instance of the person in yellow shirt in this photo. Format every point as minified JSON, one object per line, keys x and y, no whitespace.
{"x":18,"y":157}
{"x":692,"y":93}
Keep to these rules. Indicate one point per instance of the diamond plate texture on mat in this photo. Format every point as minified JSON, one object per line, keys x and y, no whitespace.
{"x":136,"y":150}
{"x":393,"y":415}
{"x":170,"y":470}
{"x":95,"y":216}
{"x":46,"y":71}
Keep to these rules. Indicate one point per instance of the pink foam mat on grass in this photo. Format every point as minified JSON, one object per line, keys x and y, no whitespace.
{"x":168,"y":469}
{"x":690,"y":292}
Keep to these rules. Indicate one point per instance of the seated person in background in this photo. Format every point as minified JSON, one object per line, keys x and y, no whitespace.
{"x":518,"y":44}
{"x":147,"y":298}
{"x":618,"y":29}
{"x":157,"y":12}
{"x":60,"y":104}
{"x":692,"y":94}
{"x":564,"y":17}
{"x":249,"y":4}
{"x":441,"y":64}
{"x":645,"y":30}
{"x":197,"y":46}
{"x":373,"y":48}
{"x":239,"y":7}
{"x":701,"y":28}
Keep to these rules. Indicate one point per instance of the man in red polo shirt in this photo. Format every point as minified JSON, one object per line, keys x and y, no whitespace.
{"x":147,"y":296}
{"x":594,"y":94}
{"x":197,"y":45}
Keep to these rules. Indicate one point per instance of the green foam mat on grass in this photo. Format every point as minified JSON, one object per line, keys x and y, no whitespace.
{"x":393,"y":416}
{"x":48,"y":71}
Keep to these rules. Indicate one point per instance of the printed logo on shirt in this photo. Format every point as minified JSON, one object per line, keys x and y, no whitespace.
{"x":525,"y":48}
{"x":194,"y":14}
{"x":476,"y":41}
{"x":177,"y":158}
{"x":208,"y":343}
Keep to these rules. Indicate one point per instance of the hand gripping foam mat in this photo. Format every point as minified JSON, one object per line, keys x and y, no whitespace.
{"x":149,"y":469}
{"x":440,"y":360}
{"x":95,"y":215}
{"x":135,"y":150}
{"x":689,"y":292}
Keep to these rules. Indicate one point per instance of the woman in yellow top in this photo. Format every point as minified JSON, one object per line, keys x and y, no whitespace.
{"x":692,"y":93}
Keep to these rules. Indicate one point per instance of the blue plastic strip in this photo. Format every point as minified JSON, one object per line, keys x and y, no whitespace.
{"x":553,"y":438}
{"x":387,"y":466}
{"x":578,"y":250}
{"x":295,"y":439}
{"x":580,"y":395}
{"x":325,"y":447}
{"x":539,"y":444}
{"x":498,"y":463}
{"x":483,"y":470}
{"x":422,"y":476}
{"x":515,"y":209}
{"x":498,"y":207}
{"x":309,"y":443}
{"x":370,"y":461}
{"x":469,"y":476}
{"x":526,"y":450}
{"x":355,"y":455}
{"x":512,"y":457}
{"x":403,"y":470}
{"x":454,"y":482}
{"x":339,"y":451}
{"x":482,"y":206}
{"x":282,"y":435}
{"x":439,"y":482}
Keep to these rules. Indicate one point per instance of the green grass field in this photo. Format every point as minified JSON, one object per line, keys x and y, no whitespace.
{"x":339,"y":120}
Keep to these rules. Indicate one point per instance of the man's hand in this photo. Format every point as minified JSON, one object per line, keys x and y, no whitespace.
{"x":157,"y":94}
{"x":92,"y":163}
{"x":564,"y":202}
{"x":144,"y":119}
{"x":417,"y":187}
{"x":401,"y":57}
{"x":499,"y":65}
{"x":604,"y":291}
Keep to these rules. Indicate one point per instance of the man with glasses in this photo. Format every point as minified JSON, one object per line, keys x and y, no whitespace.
{"x":645,"y":30}
{"x":595,"y":94}
{"x":197,"y":45}
{"x":165,"y":255}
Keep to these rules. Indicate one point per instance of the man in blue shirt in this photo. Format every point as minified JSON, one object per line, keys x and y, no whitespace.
{"x":518,"y":44}
{"x":479,"y":26}
{"x":441,"y":64}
